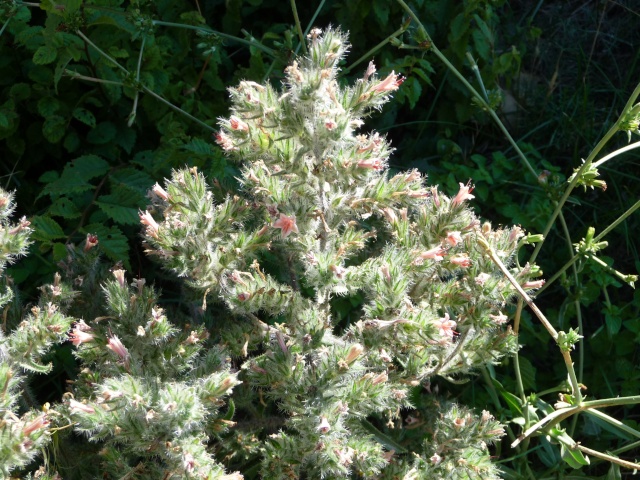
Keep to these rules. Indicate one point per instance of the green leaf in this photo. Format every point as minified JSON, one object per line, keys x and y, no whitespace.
{"x":86,"y":167}
{"x":113,"y":206}
{"x":381,"y":438}
{"x":614,"y":472}
{"x":20,"y":91}
{"x":103,"y":133}
{"x":574,"y":458}
{"x":46,"y":229}
{"x":528,"y":373}
{"x":65,"y":208}
{"x":48,"y":106}
{"x":85,"y":116}
{"x":45,"y":55}
{"x":60,"y":252}
{"x":112,"y":241}
{"x":134,"y":179}
{"x":53,"y":128}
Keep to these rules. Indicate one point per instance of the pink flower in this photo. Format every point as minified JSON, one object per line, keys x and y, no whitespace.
{"x":462,"y":260}
{"x":533,"y":284}
{"x":446,"y":327}
{"x":482,"y":278}
{"x":79,"y":407}
{"x":152,"y":225}
{"x":160,"y":192}
{"x":92,"y":241}
{"x":119,"y":276}
{"x":436,"y":459}
{"x":371,"y":163}
{"x":371,"y":69}
{"x":37,"y":424}
{"x":330,"y":124}
{"x":389,"y":84}
{"x":324,"y":426}
{"x":453,"y":238}
{"x":463,"y":194}
{"x":116,"y":346}
{"x":286,"y":225}
{"x":78,"y":336}
{"x":237,"y":124}
{"x":225,"y":142}
{"x":436,"y":253}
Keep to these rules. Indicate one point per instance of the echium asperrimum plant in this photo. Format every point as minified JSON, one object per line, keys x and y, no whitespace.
{"x":317,"y":218}
{"x":24,"y":428}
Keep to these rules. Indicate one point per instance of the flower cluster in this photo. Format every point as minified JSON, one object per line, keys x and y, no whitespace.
{"x":318,"y":217}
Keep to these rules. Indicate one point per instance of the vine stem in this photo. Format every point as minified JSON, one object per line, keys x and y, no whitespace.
{"x":294,"y":9}
{"x":143,"y":87}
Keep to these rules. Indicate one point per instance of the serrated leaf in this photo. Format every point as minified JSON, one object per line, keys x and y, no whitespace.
{"x":199,"y":146}
{"x":110,"y":204}
{"x":381,"y":11}
{"x":65,"y":208}
{"x":53,"y":128}
{"x":45,"y":55}
{"x":34,"y":367}
{"x":85,"y":116}
{"x":126,"y":138}
{"x":48,"y":106}
{"x":46,"y":229}
{"x":49,"y":176}
{"x":112,"y":241}
{"x":65,"y":186}
{"x":135,"y":179}
{"x":86,"y":167}
{"x":103,"y":133}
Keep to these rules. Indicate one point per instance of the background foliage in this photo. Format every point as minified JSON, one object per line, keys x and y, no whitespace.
{"x":86,"y":127}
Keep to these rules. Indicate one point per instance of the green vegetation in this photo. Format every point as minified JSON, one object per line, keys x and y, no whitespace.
{"x":101,"y":99}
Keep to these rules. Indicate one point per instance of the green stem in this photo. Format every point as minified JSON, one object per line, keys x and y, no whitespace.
{"x":494,"y":257}
{"x":4,"y":25}
{"x":620,"y":151}
{"x":613,"y":421}
{"x":101,"y":52}
{"x":132,"y":115}
{"x":371,"y":52}
{"x":251,"y":43}
{"x":618,"y":221}
{"x":76,"y":76}
{"x":476,"y":72}
{"x":147,"y":89}
{"x":298,"y":26}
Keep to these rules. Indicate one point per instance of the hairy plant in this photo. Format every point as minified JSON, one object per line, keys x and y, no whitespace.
{"x":319,"y":218}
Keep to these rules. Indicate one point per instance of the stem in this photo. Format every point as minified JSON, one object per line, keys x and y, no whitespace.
{"x":371,"y":52}
{"x":298,"y":26}
{"x":489,"y":250}
{"x":613,"y":421}
{"x":132,"y":115}
{"x":607,"y":457}
{"x":4,"y":25}
{"x":620,"y":151}
{"x":618,"y":221}
{"x":147,"y":89}
{"x":251,"y":43}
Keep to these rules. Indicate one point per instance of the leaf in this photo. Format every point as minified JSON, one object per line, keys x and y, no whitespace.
{"x":112,"y":242}
{"x":528,"y":373}
{"x":65,"y":208}
{"x":53,"y":128}
{"x":383,"y":439}
{"x":48,"y":106}
{"x":60,"y":252}
{"x":86,"y":167}
{"x":103,"y":133}
{"x":45,"y":55}
{"x":20,"y":91}
{"x":85,"y":116}
{"x":574,"y":458}
{"x":117,"y":207}
{"x":46,"y":229}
